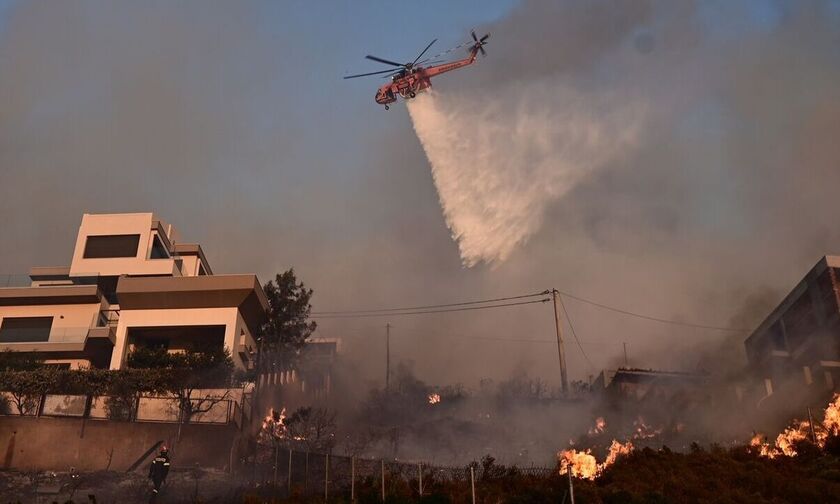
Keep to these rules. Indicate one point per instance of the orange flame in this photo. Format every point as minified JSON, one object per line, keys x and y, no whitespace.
{"x":643,"y":430}
{"x":274,"y":425}
{"x":434,"y":398}
{"x":616,"y":450}
{"x":800,"y":430}
{"x":584,"y":465}
{"x":600,"y":425}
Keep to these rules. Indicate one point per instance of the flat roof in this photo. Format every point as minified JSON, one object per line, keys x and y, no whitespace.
{"x":206,"y":291}
{"x":193,"y":249}
{"x":49,"y":295}
{"x":49,"y":272}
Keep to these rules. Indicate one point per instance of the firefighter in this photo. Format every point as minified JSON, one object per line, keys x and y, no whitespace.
{"x":159,"y":469}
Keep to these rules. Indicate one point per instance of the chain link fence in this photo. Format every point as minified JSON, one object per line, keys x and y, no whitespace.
{"x":281,"y":471}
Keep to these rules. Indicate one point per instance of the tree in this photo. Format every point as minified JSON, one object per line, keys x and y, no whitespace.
{"x":17,"y":361}
{"x":312,"y":428}
{"x":288,"y":324}
{"x":196,"y":368}
{"x":23,"y":390}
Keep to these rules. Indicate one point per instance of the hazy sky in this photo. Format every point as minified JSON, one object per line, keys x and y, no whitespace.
{"x":231,"y":121}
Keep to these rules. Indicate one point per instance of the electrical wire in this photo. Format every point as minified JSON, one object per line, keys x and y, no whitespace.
{"x":416,"y":310}
{"x":648,"y":317}
{"x":410,"y":308}
{"x":394,"y":314}
{"x":574,"y":333}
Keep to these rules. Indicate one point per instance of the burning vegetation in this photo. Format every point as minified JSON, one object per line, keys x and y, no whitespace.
{"x":583,"y":463}
{"x":801,"y":431}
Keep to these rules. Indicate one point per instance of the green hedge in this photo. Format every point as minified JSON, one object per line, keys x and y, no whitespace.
{"x":96,"y":382}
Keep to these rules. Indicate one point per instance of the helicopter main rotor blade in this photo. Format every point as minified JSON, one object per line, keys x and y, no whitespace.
{"x":472,"y":32}
{"x":482,"y":39}
{"x":390,"y":70}
{"x":380,"y":60}
{"x":424,"y":51}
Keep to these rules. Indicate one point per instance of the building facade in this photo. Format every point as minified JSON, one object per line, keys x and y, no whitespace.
{"x":131,"y":282}
{"x":646,"y":384}
{"x":797,"y":346}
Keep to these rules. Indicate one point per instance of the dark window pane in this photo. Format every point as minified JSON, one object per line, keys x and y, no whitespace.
{"x":800,"y":321}
{"x":25,"y":329}
{"x":201,"y":271}
{"x":158,"y":250}
{"x":111,"y":246}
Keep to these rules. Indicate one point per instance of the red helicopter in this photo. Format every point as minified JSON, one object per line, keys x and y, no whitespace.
{"x":412,"y":78}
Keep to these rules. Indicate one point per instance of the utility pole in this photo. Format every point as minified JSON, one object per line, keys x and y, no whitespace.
{"x":387,"y":356}
{"x":571,"y":485}
{"x":561,"y":353}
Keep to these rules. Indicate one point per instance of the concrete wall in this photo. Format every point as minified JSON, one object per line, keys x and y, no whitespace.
{"x":189,"y":265}
{"x":60,"y":443}
{"x":119,"y":224}
{"x":243,"y":337}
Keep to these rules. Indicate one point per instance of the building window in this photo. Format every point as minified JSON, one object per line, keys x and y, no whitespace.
{"x":25,"y":329}
{"x":201,"y":271}
{"x":99,"y":247}
{"x":800,"y":321}
{"x":777,"y":336}
{"x":158,"y":250}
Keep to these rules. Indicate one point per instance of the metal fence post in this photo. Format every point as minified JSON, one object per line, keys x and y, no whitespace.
{"x":472,"y":483}
{"x":811,"y":426}
{"x":420,"y":476}
{"x":276,"y":449}
{"x":306,"y":475}
{"x":382,"y":463}
{"x":290,"y":472}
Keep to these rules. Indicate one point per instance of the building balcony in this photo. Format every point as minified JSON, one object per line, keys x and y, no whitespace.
{"x":59,"y":339}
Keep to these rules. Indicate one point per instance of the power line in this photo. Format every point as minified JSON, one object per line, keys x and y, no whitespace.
{"x":394,"y":314}
{"x":414,"y":310}
{"x":371,"y":332}
{"x":572,"y":327}
{"x":409,"y":308}
{"x":648,"y":317}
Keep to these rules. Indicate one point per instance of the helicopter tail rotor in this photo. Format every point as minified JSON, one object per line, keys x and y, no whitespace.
{"x":479,"y":43}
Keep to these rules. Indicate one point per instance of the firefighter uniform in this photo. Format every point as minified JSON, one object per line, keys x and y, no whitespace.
{"x":159,"y":469}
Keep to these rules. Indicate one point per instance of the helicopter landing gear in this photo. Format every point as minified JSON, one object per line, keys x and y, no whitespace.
{"x":387,"y":107}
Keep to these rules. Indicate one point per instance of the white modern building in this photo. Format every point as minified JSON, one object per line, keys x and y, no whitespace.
{"x":131,"y":281}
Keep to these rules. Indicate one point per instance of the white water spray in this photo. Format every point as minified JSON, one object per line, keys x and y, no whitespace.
{"x":498,"y":164}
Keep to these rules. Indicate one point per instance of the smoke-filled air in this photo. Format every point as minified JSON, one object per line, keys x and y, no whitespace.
{"x":609,"y":247}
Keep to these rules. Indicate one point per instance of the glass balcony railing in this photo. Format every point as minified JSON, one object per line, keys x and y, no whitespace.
{"x":10,"y":337}
{"x":108,"y":318}
{"x":10,"y":280}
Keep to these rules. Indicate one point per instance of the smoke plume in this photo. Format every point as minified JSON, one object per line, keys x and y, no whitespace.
{"x":499,"y":161}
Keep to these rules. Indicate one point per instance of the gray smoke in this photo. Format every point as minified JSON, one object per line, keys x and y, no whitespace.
{"x":713,"y":176}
